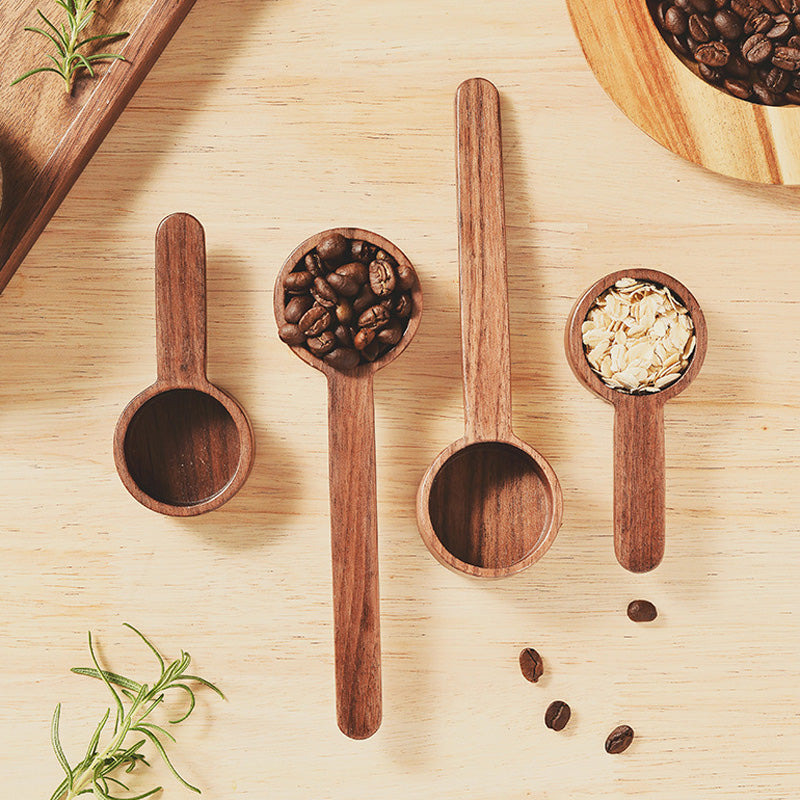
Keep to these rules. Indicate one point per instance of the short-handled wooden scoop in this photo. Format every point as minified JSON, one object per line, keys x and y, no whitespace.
{"x":182,"y":446}
{"x":639,"y":462}
{"x":489,"y":505}
{"x":353,"y":507}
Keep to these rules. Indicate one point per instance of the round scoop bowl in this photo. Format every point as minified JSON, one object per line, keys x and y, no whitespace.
{"x":639,"y":456}
{"x":183,"y":446}
{"x":489,"y":508}
{"x":353,"y":506}
{"x":489,"y":505}
{"x":671,"y":104}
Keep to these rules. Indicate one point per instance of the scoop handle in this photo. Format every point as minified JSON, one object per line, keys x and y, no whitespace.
{"x":482,"y":262}
{"x":180,"y":300}
{"x":354,"y":550}
{"x":639,"y":483}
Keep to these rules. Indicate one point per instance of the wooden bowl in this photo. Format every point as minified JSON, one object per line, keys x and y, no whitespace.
{"x":660,"y":94}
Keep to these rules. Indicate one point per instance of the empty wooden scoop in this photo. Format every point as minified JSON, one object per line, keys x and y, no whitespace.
{"x":183,"y":446}
{"x":489,"y":505}
{"x":639,"y":462}
{"x":353,"y":506}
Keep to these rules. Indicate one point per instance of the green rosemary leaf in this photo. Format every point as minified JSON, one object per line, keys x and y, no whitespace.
{"x":49,"y":36}
{"x":157,"y":729}
{"x":148,"y":643}
{"x":204,"y":682}
{"x":104,"y":57}
{"x":56,"y":741}
{"x":100,"y":37}
{"x":91,"y":750}
{"x":60,"y":789}
{"x":56,"y":31}
{"x":163,"y":753}
{"x":120,"y":707}
{"x":34,"y":72}
{"x":79,"y":57}
{"x":192,"y":702}
{"x":117,"y":680}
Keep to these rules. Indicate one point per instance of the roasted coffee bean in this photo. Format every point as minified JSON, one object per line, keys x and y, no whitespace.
{"x":703,"y":6}
{"x":661,"y":12}
{"x":772,"y":6}
{"x":391,"y":334}
{"x":342,"y":358}
{"x":344,"y":312}
{"x":354,"y":270}
{"x":691,"y":44}
{"x":738,"y":88}
{"x":679,"y":46}
{"x":372,"y":350}
{"x":701,"y":28}
{"x":364,"y":300}
{"x":403,"y":306}
{"x":777,"y":80}
{"x":343,"y":285}
{"x":685,"y":6}
{"x":793,"y":41}
{"x":298,"y":282}
{"x":709,"y":74}
{"x":343,"y":335}
{"x":382,"y":279}
{"x":373,"y":317}
{"x":315,"y":265}
{"x":291,"y":334}
{"x":315,"y":320}
{"x":737,"y":67}
{"x":382,"y":255}
{"x":786,"y":58}
{"x":757,"y":48}
{"x":744,"y":8}
{"x":322,"y":344}
{"x":619,"y":739}
{"x":792,"y":96}
{"x":406,"y":277}
{"x":758,"y":23}
{"x":642,"y":611}
{"x":766,"y":96}
{"x":530,"y":662}
{"x":296,"y":307}
{"x":324,"y":293}
{"x":728,"y":24}
{"x":362,"y":251}
{"x":363,"y":338}
{"x":781,"y":29}
{"x":714,"y":54}
{"x":788,"y":6}
{"x":334,"y":248}
{"x":720,"y":3}
{"x":557,"y":715}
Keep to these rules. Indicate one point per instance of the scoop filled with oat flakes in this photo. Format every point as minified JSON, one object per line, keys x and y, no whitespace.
{"x":637,"y":338}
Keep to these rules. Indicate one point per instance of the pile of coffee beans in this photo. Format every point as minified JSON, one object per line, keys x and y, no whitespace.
{"x":748,"y":48}
{"x":347,"y":301}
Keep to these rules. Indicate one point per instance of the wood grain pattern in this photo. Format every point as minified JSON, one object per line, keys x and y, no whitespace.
{"x":674,"y":106}
{"x":46,"y":137}
{"x":344,"y":111}
{"x":182,"y":446}
{"x":639,"y":450}
{"x":353,"y":506}
{"x":489,"y":505}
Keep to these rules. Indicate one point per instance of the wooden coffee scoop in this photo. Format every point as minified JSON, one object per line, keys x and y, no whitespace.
{"x":489,"y":505}
{"x":639,"y":461}
{"x":353,"y":505}
{"x":183,"y":446}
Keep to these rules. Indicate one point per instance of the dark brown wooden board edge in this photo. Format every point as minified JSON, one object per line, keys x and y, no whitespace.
{"x":114,"y":91}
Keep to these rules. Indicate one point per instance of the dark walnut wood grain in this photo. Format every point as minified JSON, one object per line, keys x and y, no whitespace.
{"x":639,"y":460}
{"x":353,"y":504}
{"x":183,"y":446}
{"x":48,"y":137}
{"x":489,"y":505}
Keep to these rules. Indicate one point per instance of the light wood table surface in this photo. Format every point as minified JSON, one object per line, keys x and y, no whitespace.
{"x":270,"y":121}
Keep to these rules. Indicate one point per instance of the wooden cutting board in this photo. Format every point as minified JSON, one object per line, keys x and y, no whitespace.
{"x":48,"y":136}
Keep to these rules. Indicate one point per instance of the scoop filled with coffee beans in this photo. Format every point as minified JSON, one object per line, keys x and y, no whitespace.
{"x":748,"y":48}
{"x":348,"y":302}
{"x":637,"y":338}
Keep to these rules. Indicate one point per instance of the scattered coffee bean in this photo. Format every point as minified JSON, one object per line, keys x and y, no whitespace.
{"x":619,"y":739}
{"x":748,"y":48}
{"x":530,"y":662}
{"x":557,"y":715}
{"x":642,"y":611}
{"x":347,"y":301}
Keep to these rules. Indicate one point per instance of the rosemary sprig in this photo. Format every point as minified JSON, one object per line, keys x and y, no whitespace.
{"x":69,"y":38}
{"x":133,"y":705}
